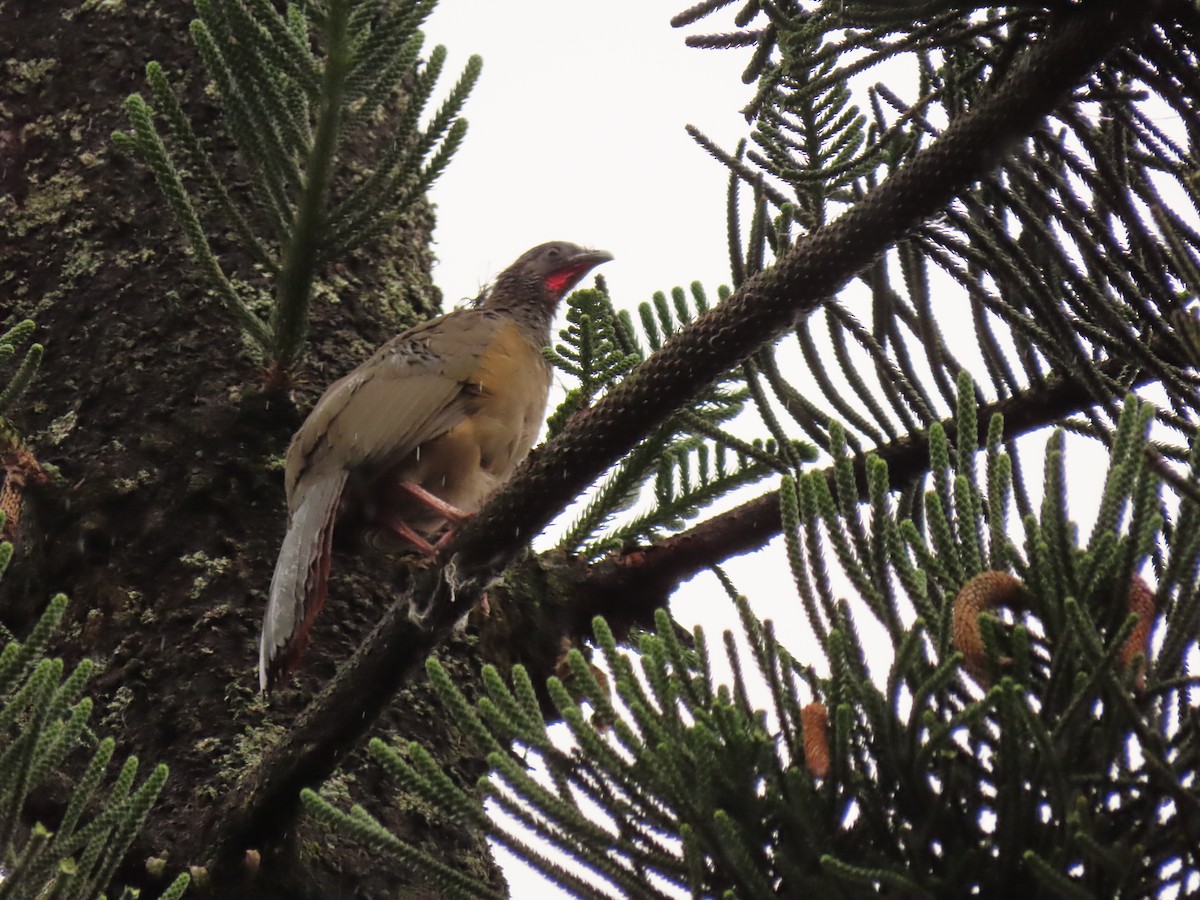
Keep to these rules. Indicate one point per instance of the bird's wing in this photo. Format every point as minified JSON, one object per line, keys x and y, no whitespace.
{"x":413,"y":389}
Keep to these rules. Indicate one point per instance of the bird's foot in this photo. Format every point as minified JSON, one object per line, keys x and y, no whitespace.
{"x":447,"y":511}
{"x":407,"y":532}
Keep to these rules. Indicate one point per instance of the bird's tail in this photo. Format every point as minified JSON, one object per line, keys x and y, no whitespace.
{"x":301,"y":575}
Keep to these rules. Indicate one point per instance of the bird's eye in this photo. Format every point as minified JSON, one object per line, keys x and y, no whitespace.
{"x":554,"y":253}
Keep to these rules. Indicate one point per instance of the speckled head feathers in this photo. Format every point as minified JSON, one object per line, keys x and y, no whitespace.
{"x":543,"y":275}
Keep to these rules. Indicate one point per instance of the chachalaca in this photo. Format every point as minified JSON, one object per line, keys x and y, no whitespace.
{"x":418,"y":435}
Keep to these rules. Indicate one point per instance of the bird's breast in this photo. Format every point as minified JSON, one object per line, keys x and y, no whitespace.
{"x":507,"y":400}
{"x":504,"y":403}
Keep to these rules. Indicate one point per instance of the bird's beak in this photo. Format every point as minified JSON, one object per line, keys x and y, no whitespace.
{"x":573,"y":268}
{"x":589,"y":259}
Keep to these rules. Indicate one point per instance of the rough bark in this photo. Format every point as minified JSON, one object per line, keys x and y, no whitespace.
{"x":164,"y":526}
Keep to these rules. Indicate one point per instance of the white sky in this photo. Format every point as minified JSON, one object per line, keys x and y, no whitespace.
{"x":577,"y":133}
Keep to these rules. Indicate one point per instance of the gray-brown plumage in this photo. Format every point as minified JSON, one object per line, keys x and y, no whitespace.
{"x":420,"y":433}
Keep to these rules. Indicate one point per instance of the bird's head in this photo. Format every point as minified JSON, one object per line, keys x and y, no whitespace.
{"x":546,"y":272}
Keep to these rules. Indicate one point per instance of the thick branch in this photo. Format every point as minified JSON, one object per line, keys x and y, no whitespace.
{"x":758,"y":312}
{"x":628,"y":587}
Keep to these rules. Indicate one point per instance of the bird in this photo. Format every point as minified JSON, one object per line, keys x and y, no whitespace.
{"x":417,"y":436}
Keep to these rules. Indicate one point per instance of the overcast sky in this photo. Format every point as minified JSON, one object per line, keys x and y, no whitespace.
{"x":577,"y":133}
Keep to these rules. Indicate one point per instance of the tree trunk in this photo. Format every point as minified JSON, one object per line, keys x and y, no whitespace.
{"x":164,"y":526}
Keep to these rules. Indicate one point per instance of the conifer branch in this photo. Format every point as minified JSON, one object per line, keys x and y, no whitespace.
{"x":627,"y":587}
{"x":275,"y":173}
{"x":288,"y":51}
{"x":294,"y":287}
{"x":42,"y":719}
{"x":11,"y":343}
{"x":762,"y":308}
{"x":289,"y":112}
{"x":201,"y":164}
{"x":153,"y":152}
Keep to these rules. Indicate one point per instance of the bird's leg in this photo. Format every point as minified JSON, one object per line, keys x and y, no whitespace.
{"x":445,"y":538}
{"x":447,"y":511}
{"x":406,"y":531}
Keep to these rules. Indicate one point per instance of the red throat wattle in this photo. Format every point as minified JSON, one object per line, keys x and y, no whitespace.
{"x":556,"y":282}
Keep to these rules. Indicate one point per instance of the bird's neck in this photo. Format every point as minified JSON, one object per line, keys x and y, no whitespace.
{"x":528,"y":305}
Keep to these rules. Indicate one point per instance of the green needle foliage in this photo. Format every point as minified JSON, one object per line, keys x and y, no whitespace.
{"x":692,"y":459}
{"x":43,"y":723}
{"x":1075,"y":253}
{"x":17,"y":464}
{"x":12,"y":342}
{"x":291,"y":111}
{"x":1056,"y":772}
{"x":43,"y":720}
